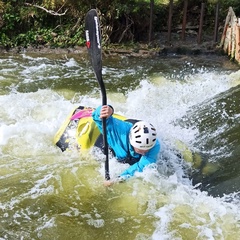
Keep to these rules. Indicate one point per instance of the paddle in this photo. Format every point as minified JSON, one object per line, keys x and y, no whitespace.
{"x":93,"y":38}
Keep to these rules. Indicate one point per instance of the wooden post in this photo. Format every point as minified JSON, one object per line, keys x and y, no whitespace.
{"x":237,"y":54}
{"x":233,"y":44}
{"x":216,"y":23}
{"x":230,"y":42}
{"x":227,"y":39}
{"x":231,"y":36}
{"x":184,"y":19}
{"x":151,"y":21}
{"x":226,"y":25}
{"x":170,"y":20}
{"x":201,"y":24}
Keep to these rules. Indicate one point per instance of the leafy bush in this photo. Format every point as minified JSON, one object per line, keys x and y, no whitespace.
{"x":61,"y":23}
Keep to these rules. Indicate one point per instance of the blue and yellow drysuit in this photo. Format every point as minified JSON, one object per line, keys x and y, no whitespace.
{"x":118,"y":140}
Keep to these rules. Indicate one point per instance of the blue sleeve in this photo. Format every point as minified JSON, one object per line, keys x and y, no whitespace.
{"x":98,"y":120}
{"x":150,"y":157}
{"x":117,"y":133}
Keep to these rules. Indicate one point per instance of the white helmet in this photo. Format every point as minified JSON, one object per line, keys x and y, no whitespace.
{"x":143,"y":135}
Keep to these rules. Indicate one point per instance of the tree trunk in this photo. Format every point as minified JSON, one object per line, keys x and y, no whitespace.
{"x":151,"y":21}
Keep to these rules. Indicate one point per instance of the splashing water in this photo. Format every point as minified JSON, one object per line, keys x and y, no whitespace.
{"x":47,"y":194}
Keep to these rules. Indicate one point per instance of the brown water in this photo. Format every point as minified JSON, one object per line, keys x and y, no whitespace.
{"x":47,"y":194}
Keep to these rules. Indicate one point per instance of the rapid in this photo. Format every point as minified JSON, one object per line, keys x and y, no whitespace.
{"x":48,"y":194}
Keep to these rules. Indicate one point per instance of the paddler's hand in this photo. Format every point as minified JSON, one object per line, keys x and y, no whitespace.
{"x":108,"y":183}
{"x":106,"y":111}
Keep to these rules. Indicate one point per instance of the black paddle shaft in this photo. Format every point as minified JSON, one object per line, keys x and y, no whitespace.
{"x":93,"y":38}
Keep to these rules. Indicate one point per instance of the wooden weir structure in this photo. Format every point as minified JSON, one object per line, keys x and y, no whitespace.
{"x":230,"y":41}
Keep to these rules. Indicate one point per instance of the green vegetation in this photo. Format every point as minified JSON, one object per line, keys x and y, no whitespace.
{"x":60,"y":23}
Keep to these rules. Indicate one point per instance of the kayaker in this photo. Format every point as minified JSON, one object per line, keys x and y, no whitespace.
{"x":135,"y":144}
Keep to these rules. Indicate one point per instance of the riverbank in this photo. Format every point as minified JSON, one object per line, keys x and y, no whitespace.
{"x":140,"y":50}
{"x":160,"y":46}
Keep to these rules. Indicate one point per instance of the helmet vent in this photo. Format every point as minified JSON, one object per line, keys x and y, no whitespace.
{"x":145,"y":130}
{"x":136,"y":129}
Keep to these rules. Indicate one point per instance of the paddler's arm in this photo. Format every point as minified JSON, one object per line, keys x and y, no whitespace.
{"x":149,"y":158}
{"x":129,"y":172}
{"x":145,"y":160}
{"x":101,"y":112}
{"x":137,"y":167}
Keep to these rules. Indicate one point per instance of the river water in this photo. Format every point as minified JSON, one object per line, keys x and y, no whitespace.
{"x":46,"y":194}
